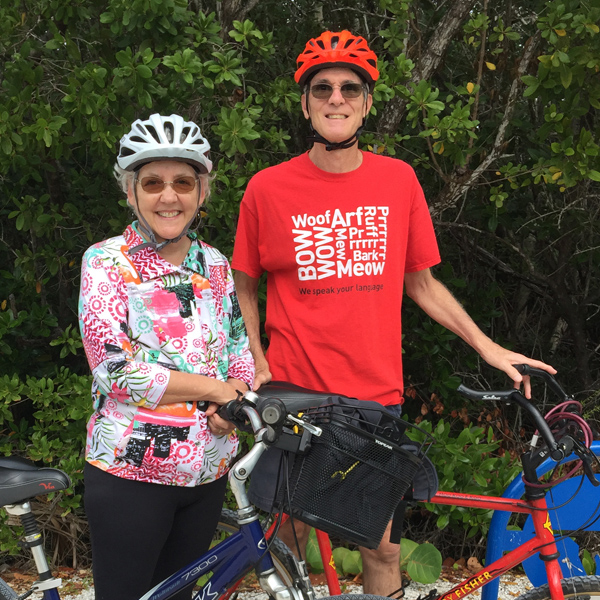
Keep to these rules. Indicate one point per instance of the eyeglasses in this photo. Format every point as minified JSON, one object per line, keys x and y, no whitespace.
{"x":323,"y":91}
{"x":155,"y":185}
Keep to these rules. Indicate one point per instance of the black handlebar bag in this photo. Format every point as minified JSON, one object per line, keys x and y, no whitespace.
{"x":354,"y":475}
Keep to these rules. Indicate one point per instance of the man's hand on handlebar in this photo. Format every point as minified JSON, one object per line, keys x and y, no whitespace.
{"x":262,"y":374}
{"x":504,"y":359}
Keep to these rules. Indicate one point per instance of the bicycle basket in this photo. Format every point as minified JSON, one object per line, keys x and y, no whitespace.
{"x":352,"y":478}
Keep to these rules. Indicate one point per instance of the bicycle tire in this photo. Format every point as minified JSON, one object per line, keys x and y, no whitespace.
{"x":283,"y":558}
{"x":574,"y":587}
{"x":355,"y":597}
{"x":6,"y":592}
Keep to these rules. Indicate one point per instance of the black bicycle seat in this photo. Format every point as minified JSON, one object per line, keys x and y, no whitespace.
{"x":21,"y":480}
{"x":295,"y":398}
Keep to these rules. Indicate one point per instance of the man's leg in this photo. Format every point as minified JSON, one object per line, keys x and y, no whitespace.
{"x":286,"y":535}
{"x":381,"y":567}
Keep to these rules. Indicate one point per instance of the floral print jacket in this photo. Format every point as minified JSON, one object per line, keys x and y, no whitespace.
{"x":140,"y":318}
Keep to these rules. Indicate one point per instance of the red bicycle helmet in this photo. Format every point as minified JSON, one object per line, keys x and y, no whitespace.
{"x":337,"y":49}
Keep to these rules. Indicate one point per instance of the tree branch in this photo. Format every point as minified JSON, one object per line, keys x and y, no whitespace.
{"x":233,"y":10}
{"x":427,"y":64}
{"x":459,"y":185}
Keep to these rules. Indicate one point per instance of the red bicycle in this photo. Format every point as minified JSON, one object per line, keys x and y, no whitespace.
{"x":564,"y":439}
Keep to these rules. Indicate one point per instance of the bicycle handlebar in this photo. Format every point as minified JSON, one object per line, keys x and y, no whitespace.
{"x":514,"y":395}
{"x":252,"y":413}
{"x":558,"y":450}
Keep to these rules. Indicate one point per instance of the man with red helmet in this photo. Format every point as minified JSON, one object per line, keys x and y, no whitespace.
{"x":341,"y":233}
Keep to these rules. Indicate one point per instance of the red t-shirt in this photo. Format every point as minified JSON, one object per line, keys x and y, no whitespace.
{"x":336,"y":247}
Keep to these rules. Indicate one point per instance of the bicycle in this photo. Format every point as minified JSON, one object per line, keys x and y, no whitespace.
{"x":284,"y":578}
{"x":247,"y":548}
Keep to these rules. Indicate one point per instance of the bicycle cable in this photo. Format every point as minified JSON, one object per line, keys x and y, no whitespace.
{"x":559,"y":418}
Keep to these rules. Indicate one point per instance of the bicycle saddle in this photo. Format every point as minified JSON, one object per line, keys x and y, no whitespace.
{"x":295,"y":398}
{"x":21,"y":480}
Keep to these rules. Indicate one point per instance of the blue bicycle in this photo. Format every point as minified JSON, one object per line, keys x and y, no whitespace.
{"x":279,"y":573}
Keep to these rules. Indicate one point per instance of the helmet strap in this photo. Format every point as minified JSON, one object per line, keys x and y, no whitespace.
{"x":316,"y":137}
{"x":147,"y":232}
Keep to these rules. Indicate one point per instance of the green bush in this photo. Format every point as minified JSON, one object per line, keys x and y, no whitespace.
{"x":43,"y":419}
{"x":467,"y":462}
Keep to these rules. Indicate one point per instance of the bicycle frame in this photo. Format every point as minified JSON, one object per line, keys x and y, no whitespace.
{"x":543,"y":540}
{"x":228,"y":560}
{"x":235,"y":556}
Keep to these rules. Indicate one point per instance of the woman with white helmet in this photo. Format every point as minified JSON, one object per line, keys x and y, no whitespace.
{"x":166,"y":343}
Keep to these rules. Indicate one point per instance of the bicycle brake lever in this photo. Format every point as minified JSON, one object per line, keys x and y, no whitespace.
{"x":583,"y":452}
{"x":308,"y":426}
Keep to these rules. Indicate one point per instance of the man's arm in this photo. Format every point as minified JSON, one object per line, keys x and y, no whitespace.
{"x":437,"y":301}
{"x":247,"y":292}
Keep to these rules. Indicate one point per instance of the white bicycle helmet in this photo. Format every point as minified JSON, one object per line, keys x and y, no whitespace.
{"x":164,"y":138}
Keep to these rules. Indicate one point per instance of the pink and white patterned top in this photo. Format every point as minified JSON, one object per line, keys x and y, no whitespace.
{"x":140,"y":318}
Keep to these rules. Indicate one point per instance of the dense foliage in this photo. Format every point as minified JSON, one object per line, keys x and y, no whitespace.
{"x":495,"y":104}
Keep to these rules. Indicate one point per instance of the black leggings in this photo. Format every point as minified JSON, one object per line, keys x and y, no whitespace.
{"x":144,"y":532}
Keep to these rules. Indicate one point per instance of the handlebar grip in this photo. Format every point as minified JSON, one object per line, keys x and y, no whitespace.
{"x":547,"y":377}
{"x":233,"y":412}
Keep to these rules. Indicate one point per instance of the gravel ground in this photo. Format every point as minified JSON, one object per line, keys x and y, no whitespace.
{"x":511,"y":586}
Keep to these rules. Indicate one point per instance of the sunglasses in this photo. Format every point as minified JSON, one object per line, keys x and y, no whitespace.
{"x":155,"y":185}
{"x":322,"y":91}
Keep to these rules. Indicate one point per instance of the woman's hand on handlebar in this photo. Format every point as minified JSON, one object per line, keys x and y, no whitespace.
{"x":504,"y":359}
{"x":216,"y":424}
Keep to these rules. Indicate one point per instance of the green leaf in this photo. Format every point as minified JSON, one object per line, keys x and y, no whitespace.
{"x":436,"y":105}
{"x":338,"y":558}
{"x":352,"y":563}
{"x":566,"y":76}
{"x":407,"y":547}
{"x":425,"y":564}
{"x":143,"y":71}
{"x":313,"y":554}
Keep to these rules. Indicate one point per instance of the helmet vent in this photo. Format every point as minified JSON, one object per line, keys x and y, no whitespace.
{"x":372,"y":62}
{"x":164,"y":138}
{"x":348,"y":43}
{"x":153,"y":133}
{"x":169,"y":131}
{"x":321,"y":44}
{"x":335,"y":40}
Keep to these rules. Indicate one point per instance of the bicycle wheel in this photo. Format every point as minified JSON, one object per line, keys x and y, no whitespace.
{"x":6,"y":592}
{"x":575,"y":587}
{"x":283,"y":558}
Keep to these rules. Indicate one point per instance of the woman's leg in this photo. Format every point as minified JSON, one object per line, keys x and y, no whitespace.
{"x":192,"y":530}
{"x":144,"y":532}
